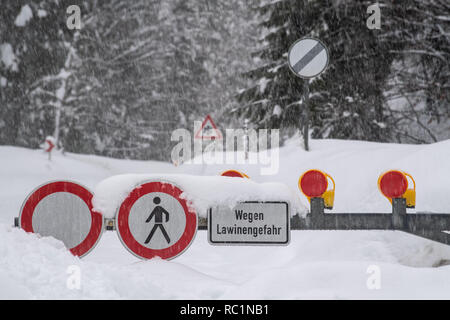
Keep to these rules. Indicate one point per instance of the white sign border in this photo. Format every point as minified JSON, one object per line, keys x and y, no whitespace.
{"x":308,"y":38}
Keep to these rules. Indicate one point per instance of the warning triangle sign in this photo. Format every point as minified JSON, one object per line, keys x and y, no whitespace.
{"x":208,"y":130}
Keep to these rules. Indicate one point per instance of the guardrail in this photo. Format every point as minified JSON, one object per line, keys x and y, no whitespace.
{"x":393,"y":184}
{"x":430,"y":226}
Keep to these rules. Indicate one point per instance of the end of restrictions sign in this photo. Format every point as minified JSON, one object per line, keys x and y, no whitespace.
{"x":250,"y":223}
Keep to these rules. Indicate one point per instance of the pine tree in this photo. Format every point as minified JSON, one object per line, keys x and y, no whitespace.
{"x":132,"y":74}
{"x":418,"y":87}
{"x":152,"y":67}
{"x":346,"y":101}
{"x":35,"y":92}
{"x":145,"y":76}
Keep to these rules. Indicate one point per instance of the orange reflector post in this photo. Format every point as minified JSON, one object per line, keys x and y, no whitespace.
{"x":234,"y":173}
{"x":313,"y":183}
{"x":393,"y":184}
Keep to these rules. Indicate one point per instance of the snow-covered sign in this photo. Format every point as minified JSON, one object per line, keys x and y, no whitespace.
{"x":250,"y":223}
{"x":308,"y":58}
{"x":208,"y":130}
{"x":155,"y":221}
{"x":63,"y":210}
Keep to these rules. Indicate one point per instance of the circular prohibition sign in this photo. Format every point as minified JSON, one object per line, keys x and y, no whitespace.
{"x":63,"y":210}
{"x":155,"y":211}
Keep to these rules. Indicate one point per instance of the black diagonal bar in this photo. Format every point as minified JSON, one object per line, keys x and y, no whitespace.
{"x":308,"y":57}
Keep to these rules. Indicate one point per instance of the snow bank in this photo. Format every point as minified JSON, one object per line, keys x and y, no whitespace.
{"x":317,"y":264}
{"x":41,"y":268}
{"x":355,"y":167}
{"x":203,"y":192}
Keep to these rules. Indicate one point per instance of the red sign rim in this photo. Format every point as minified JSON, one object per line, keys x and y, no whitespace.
{"x":310,"y":193}
{"x":124,"y":232}
{"x":50,"y":146}
{"x":232,"y":173}
{"x":199,"y":135}
{"x":30,"y":203}
{"x":391,"y":191}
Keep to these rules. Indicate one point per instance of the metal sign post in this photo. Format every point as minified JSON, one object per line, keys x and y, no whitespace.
{"x":307,"y":59}
{"x":307,"y":112}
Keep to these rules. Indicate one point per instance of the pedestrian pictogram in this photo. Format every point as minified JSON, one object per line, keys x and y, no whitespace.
{"x":208,"y":130}
{"x":157,"y":213}
{"x":155,"y":221}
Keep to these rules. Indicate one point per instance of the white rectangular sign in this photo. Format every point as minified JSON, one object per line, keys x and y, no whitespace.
{"x":250,"y":223}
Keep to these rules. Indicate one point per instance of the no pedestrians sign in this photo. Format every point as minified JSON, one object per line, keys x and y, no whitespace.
{"x":154,"y":221}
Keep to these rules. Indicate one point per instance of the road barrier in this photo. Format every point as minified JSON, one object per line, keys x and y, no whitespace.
{"x":394,"y":186}
{"x":155,"y":221}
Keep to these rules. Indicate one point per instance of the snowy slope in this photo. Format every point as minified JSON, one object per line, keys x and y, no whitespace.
{"x":317,"y":264}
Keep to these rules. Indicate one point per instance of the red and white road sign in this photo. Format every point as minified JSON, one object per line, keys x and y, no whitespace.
{"x":49,"y":144}
{"x":208,"y":130}
{"x":63,"y":210}
{"x":154,"y":221}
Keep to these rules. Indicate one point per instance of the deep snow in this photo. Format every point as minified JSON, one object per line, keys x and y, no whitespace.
{"x":316,"y":264}
{"x":203,"y":192}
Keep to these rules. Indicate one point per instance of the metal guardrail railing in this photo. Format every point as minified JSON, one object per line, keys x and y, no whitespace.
{"x":426,"y":225}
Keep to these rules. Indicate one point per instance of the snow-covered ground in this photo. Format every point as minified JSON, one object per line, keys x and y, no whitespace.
{"x":316,"y":264}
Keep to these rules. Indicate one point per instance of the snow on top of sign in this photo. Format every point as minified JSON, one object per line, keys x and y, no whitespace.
{"x":51,"y":139}
{"x":202,"y":191}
